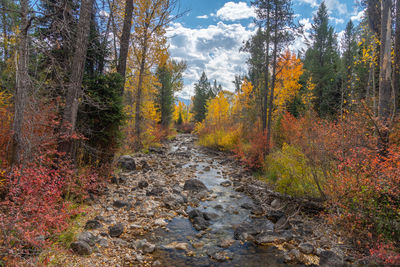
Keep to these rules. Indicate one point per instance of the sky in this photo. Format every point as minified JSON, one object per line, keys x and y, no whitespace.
{"x":211,"y":32}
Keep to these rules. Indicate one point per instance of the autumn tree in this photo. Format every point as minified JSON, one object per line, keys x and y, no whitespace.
{"x":150,"y":19}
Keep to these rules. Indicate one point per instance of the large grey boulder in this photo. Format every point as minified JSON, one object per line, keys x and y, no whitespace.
{"x":127,"y":163}
{"x":194,"y":185}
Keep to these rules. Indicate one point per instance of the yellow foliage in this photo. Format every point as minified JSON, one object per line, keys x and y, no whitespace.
{"x":290,"y":68}
{"x":182,"y":110}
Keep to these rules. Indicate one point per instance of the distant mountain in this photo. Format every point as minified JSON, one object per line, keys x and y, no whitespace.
{"x":184,"y":100}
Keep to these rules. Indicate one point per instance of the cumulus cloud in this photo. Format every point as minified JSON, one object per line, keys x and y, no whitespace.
{"x":312,"y":3}
{"x":232,"y":11}
{"x":358,"y":16}
{"x":202,"y":17}
{"x":214,"y":49}
{"x":337,"y":20}
{"x":333,"y":5}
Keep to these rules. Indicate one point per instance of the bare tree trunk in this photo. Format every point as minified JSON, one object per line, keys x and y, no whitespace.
{"x":22,"y":86}
{"x":5,"y":37}
{"x":396,"y":74}
{"x":271,"y":96}
{"x":385,"y":88}
{"x":75,"y":84}
{"x":266,"y":78}
{"x":139,"y":93}
{"x":124,"y":42}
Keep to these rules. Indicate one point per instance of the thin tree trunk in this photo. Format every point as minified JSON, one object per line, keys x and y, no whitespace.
{"x":396,"y":75}
{"x":266,"y":76}
{"x":139,"y":93}
{"x":5,"y":37}
{"x":385,"y":89}
{"x":22,"y":86}
{"x":271,"y":96}
{"x":124,"y":42}
{"x":105,"y":39}
{"x":75,"y":84}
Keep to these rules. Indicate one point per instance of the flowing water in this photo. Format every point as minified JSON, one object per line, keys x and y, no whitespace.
{"x":227,"y":206}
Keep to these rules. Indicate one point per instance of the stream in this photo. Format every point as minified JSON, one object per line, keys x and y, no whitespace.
{"x":228,"y":210}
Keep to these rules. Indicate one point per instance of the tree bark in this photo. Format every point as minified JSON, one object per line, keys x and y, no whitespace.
{"x":385,"y":88}
{"x":5,"y":37}
{"x":124,"y":42}
{"x":396,"y":74}
{"x":139,"y":92}
{"x":22,"y":86}
{"x":75,"y":84}
{"x":266,"y":73}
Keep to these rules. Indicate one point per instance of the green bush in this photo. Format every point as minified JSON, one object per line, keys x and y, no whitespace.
{"x":290,"y":171}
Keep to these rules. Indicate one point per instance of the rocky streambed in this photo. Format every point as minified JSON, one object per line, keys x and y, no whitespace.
{"x":182,"y":205}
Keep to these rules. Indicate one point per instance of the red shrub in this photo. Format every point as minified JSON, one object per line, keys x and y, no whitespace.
{"x":252,"y":153}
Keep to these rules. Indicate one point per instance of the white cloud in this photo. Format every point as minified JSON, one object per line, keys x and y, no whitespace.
{"x":312,"y":3}
{"x":337,"y":20}
{"x":358,"y":16}
{"x":202,"y":17}
{"x":235,"y":11}
{"x":214,"y":49}
{"x":336,"y":5}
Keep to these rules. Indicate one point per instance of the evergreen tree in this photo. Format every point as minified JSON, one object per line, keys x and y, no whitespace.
{"x":202,"y":93}
{"x":322,"y":63}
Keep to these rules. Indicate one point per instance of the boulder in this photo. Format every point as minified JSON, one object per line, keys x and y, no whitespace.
{"x":274,"y":215}
{"x":199,"y":223}
{"x":81,"y":248}
{"x":306,"y":248}
{"x":270,"y":237}
{"x":127,"y":163}
{"x":155,"y":191}
{"x":116,"y":230}
{"x":194,"y":185}
{"x":121,"y":204}
{"x":93,"y":224}
{"x":329,"y":258}
{"x":88,"y":238}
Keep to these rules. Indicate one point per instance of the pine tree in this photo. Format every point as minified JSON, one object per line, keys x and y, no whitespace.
{"x":322,"y":63}
{"x":202,"y":89}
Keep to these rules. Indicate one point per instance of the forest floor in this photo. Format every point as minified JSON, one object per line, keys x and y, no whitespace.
{"x":183,"y":205}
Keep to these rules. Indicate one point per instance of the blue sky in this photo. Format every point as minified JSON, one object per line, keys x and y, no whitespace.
{"x":208,"y":37}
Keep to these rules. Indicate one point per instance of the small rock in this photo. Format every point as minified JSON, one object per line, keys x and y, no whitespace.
{"x":81,"y":248}
{"x":127,"y":162}
{"x":220,"y":255}
{"x":275,"y":203}
{"x":247,"y":206}
{"x":198,"y":245}
{"x":179,"y":246}
{"x":226,"y":243}
{"x":209,"y":216}
{"x":199,"y":223}
{"x":93,"y":224}
{"x":226,"y":183}
{"x":116,"y":230}
{"x":156,"y":191}
{"x":195,"y":213}
{"x":207,"y":169}
{"x":306,"y":248}
{"x":120,"y":242}
{"x":270,"y":237}
{"x":103,"y":243}
{"x":294,"y":256}
{"x":120,"y":204}
{"x":156,"y":263}
{"x":194,"y":185}
{"x":160,"y":222}
{"x":143,"y":184}
{"x":282,"y":224}
{"x":274,"y":215}
{"x":329,"y":259}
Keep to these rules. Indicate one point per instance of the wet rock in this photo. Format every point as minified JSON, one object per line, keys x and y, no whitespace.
{"x":207,"y":169}
{"x":274,"y":215}
{"x":194,"y":213}
{"x":93,"y":224}
{"x":247,"y":206}
{"x":156,"y":191}
{"x":81,"y":248}
{"x":143,"y":184}
{"x":88,"y":238}
{"x":328,"y":258}
{"x":306,"y":248}
{"x":194,"y":185}
{"x":294,"y":255}
{"x":127,"y":162}
{"x":121,"y":204}
{"x":226,"y":183}
{"x":220,"y":255}
{"x":271,"y":237}
{"x":198,"y":245}
{"x":174,"y":201}
{"x":199,"y":223}
{"x":116,"y":230}
{"x":226,"y":243}
{"x":218,"y":207}
{"x":177,"y":245}
{"x":209,"y":216}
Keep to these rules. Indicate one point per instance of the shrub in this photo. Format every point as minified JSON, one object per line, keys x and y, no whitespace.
{"x":292,"y":172}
